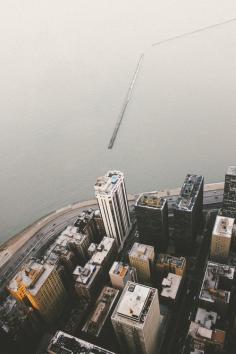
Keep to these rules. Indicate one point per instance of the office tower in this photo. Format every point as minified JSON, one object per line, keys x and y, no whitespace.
{"x":42,"y":286}
{"x":216,"y":287}
{"x":188,"y":213}
{"x":98,"y":328}
{"x":166,"y":263}
{"x":221,"y":239}
{"x":120,"y":273}
{"x":136,"y":319}
{"x":112,"y":200}
{"x":88,"y":280}
{"x":152,"y":220}
{"x":142,"y":257}
{"x":86,"y":224}
{"x":229,"y":200}
{"x":63,"y":343}
{"x":99,"y":224}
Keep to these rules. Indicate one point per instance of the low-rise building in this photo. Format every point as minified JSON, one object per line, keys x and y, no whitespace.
{"x":86,"y":224}
{"x":216,"y":287}
{"x":98,"y":328}
{"x":142,"y":257}
{"x":63,"y":343}
{"x":171,"y":288}
{"x":221,"y":238}
{"x":166,"y":263}
{"x":120,"y":273}
{"x":104,"y":253}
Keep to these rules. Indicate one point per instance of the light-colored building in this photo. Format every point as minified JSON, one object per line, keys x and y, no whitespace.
{"x":120,"y":273}
{"x":215,"y":290}
{"x":221,"y":238}
{"x":42,"y":286}
{"x":87,"y":280}
{"x":112,"y":200}
{"x":170,"y":287}
{"x":172,"y":264}
{"x":136,"y":319}
{"x":141,"y":257}
{"x":63,"y":343}
{"x":104,"y":253}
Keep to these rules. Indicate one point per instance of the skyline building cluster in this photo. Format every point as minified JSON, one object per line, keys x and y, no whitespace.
{"x":133,"y":282}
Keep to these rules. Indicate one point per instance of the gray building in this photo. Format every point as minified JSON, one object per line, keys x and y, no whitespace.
{"x":229,"y":200}
{"x":152,"y":220}
{"x":188,"y":213}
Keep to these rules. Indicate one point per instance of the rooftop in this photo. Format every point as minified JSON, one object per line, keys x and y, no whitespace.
{"x":119,"y":268}
{"x":86,"y":273}
{"x":102,"y":250}
{"x":170,"y":286}
{"x":213,"y":286}
{"x":151,"y":200}
{"x":107,"y":183}
{"x":135,"y":302}
{"x":202,"y":334}
{"x":142,"y":251}
{"x":231,"y":170}
{"x":100,"y":311}
{"x":206,"y":318}
{"x":83,"y":219}
{"x":223,"y":226}
{"x":189,"y":192}
{"x":63,"y":343}
{"x":178,"y":262}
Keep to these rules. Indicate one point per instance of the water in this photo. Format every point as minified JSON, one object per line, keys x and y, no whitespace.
{"x":65,"y":68}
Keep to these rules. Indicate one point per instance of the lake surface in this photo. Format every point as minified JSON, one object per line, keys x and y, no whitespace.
{"x":65,"y":69}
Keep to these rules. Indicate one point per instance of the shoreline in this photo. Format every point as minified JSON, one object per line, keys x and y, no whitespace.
{"x":14,"y":244}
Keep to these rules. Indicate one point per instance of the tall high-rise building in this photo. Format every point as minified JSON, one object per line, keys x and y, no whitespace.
{"x":112,"y":200}
{"x":221,"y":238}
{"x":142,"y":257}
{"x":152,"y":219}
{"x":188,"y":213}
{"x":136,"y":319}
{"x":229,"y":200}
{"x":42,"y":286}
{"x":120,"y":273}
{"x":86,"y":224}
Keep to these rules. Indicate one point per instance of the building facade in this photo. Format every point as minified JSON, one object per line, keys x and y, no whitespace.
{"x":152,"y":220}
{"x":229,"y":200}
{"x":136,"y":319}
{"x":188,"y":213}
{"x":221,"y":239}
{"x":112,"y":200}
{"x":166,"y":263}
{"x":120,"y":273}
{"x":141,"y":257}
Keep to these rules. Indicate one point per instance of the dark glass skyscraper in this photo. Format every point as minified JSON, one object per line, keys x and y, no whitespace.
{"x":188,"y":213}
{"x":152,"y":219}
{"x":229,"y":201}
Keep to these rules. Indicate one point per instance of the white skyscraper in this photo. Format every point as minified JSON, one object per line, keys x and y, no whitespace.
{"x":136,"y":319}
{"x":112,"y":199}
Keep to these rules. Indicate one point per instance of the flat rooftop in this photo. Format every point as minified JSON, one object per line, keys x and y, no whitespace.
{"x":189,"y":192}
{"x":170,"y":286}
{"x":85,"y":274}
{"x":223,"y":226}
{"x":63,"y":343}
{"x":134,"y":302}
{"x":231,"y":170}
{"x":206,"y":318}
{"x":142,"y":251}
{"x":105,"y":184}
{"x":102,"y":250}
{"x":178,"y":262}
{"x":119,"y":268}
{"x":100,"y":311}
{"x":151,"y":200}
{"x":212,"y":287}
